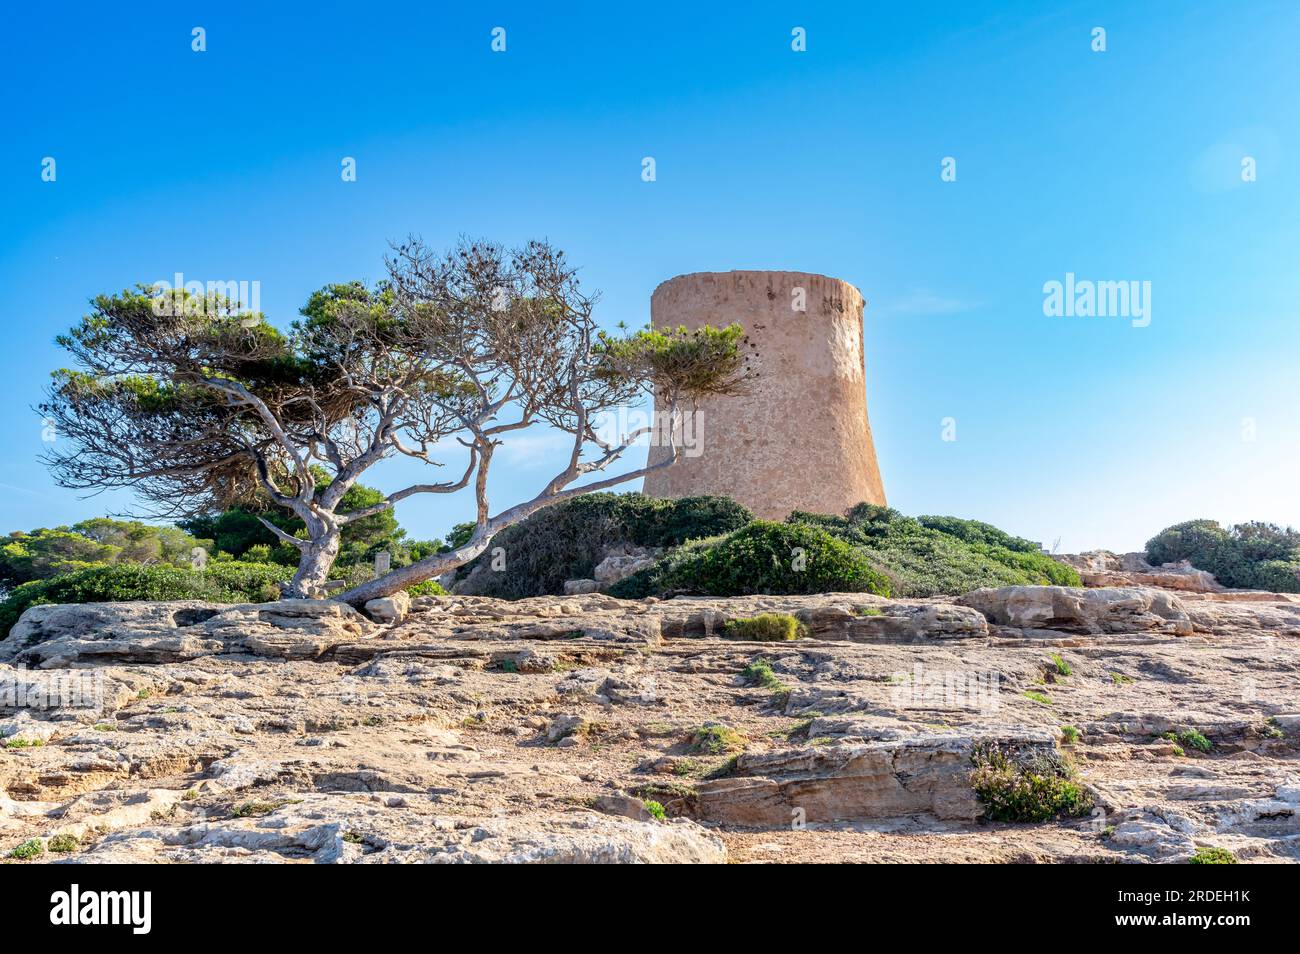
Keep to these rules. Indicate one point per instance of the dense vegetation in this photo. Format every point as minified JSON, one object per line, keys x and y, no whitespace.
{"x":225,"y":582}
{"x":566,"y":541}
{"x":931,"y":556}
{"x":106,"y":560}
{"x":1026,"y":790}
{"x":45,"y":553}
{"x":763,"y":557}
{"x":1251,"y":556}
{"x":870,"y":549}
{"x":711,"y":545}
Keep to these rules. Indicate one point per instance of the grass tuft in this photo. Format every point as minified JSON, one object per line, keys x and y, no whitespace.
{"x":766,"y":628}
{"x":714,"y":738}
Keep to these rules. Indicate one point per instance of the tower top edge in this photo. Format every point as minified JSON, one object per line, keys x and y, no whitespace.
{"x":742,"y":273}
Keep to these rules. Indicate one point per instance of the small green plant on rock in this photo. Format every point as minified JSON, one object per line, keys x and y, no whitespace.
{"x":759,"y":673}
{"x":28,"y":849}
{"x":64,"y":843}
{"x":24,"y":743}
{"x":681,"y":798}
{"x":723,"y":768}
{"x":1119,"y":679}
{"x":1069,"y":734}
{"x":257,"y":809}
{"x":1038,"y":789}
{"x":656,"y":810}
{"x":714,"y":738}
{"x":800,"y":728}
{"x":1039,"y":697}
{"x":765,"y":628}
{"x":1062,"y":667}
{"x":1212,"y":856}
{"x":1190,"y":738}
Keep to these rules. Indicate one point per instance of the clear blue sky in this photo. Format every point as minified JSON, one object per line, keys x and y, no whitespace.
{"x":1122,"y":165}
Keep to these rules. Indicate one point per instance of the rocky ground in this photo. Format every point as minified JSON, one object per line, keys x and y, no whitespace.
{"x":545,"y":730}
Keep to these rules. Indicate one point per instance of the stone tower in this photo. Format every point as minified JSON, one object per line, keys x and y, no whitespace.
{"x":799,"y":439}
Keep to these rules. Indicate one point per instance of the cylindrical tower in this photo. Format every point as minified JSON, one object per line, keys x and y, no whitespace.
{"x":799,"y":438}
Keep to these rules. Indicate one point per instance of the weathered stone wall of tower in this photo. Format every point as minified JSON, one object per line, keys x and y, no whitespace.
{"x":799,"y":439}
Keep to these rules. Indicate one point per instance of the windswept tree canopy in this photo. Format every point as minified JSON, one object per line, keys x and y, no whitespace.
{"x":198,"y":406}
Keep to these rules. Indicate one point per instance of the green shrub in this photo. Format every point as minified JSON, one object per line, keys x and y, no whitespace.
{"x":765,"y":628}
{"x":64,"y":843}
{"x":1034,"y":790}
{"x":1190,"y":738}
{"x":1212,"y":856}
{"x":943,"y":555}
{"x":228,"y":582}
{"x":714,"y":738}
{"x":31,"y":848}
{"x":44,"y":553}
{"x":427,"y":588}
{"x":974,"y":531}
{"x":759,"y":673}
{"x":1070,"y":734}
{"x":763,"y":557}
{"x":567,"y":540}
{"x":655,"y":809}
{"x":1252,"y":556}
{"x":1062,"y":667}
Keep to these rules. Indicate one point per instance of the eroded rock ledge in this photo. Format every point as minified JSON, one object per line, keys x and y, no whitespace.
{"x":552,"y":729}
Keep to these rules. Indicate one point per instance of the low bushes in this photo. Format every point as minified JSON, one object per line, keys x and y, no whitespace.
{"x":763,"y":557}
{"x":870,"y":549}
{"x":933,"y":556}
{"x":765,"y":628}
{"x":1251,"y":556}
{"x":567,"y":540}
{"x":227,"y":582}
{"x":1034,"y":790}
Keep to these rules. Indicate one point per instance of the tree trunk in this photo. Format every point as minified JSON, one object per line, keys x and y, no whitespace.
{"x":314,"y":567}
{"x":440,"y":563}
{"x":403,"y":577}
